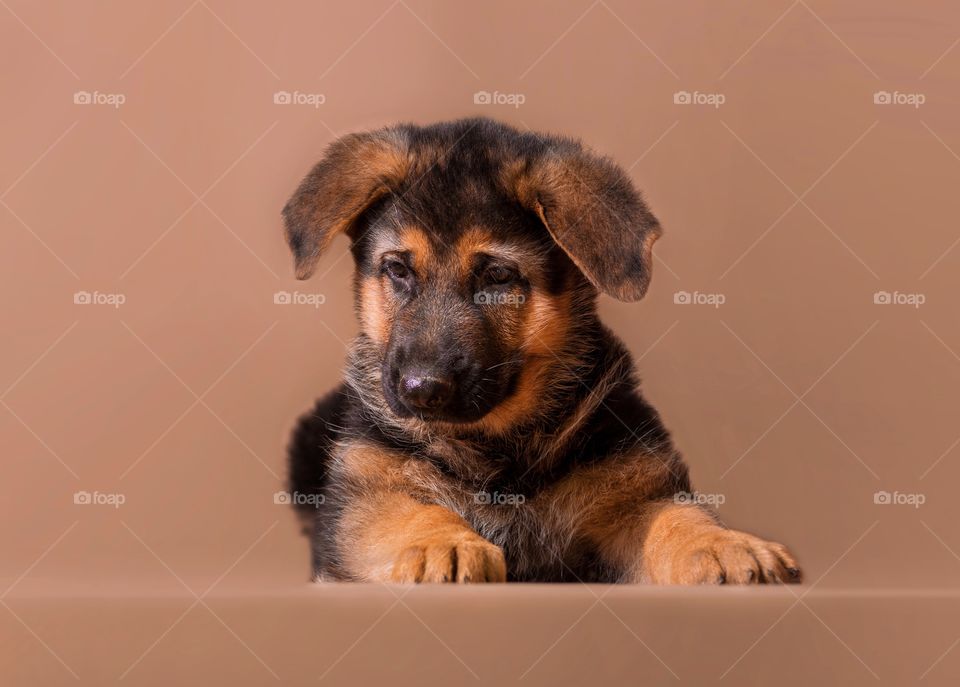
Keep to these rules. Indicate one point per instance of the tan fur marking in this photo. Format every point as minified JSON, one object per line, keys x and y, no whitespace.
{"x":542,"y":338}
{"x":415,"y":240}
{"x":480,"y":240}
{"x":547,"y":323}
{"x":473,"y":241}
{"x":388,"y":536}
{"x":374,"y":320}
{"x":522,"y":404}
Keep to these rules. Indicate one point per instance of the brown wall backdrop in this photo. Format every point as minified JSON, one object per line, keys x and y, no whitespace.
{"x":789,"y":189}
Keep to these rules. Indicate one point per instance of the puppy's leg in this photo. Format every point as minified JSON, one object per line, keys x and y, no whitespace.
{"x":391,"y":537}
{"x":625,"y":511}
{"x":683,"y":544}
{"x":642,"y":534}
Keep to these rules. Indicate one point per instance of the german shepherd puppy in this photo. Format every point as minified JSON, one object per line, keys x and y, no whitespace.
{"x":490,"y":428}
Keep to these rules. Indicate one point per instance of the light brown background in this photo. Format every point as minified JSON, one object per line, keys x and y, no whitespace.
{"x":797,"y":200}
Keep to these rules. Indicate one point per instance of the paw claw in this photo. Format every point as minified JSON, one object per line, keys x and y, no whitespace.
{"x":446,"y":558}
{"x":729,"y":557}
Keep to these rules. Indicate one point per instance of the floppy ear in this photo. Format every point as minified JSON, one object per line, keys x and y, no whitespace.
{"x":594,"y":213}
{"x":355,"y":171}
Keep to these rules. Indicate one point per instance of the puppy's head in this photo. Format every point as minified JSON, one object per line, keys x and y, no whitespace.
{"x":478,"y":248}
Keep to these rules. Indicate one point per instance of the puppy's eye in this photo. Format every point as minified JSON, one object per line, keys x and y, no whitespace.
{"x":499,"y":275}
{"x":397,"y":270}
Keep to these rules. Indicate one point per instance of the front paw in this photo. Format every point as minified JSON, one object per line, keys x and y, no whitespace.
{"x":722,"y":556}
{"x":450,"y":557}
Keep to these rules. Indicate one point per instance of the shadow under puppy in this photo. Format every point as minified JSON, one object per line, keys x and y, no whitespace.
{"x":490,"y":428}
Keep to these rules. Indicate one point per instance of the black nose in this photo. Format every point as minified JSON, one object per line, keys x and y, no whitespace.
{"x":425,"y":393}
